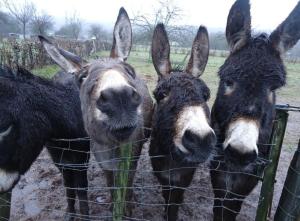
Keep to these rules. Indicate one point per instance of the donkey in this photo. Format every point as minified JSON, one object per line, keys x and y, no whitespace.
{"x":181,"y":135}
{"x":33,"y":112}
{"x":244,"y":109}
{"x":115,"y":102}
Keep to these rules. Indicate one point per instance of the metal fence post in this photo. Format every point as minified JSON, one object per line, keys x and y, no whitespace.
{"x":5,"y":199}
{"x":289,"y":204}
{"x":266,"y":194}
{"x":121,"y":182}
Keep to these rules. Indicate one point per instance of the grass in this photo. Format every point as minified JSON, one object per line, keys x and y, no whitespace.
{"x":47,"y":71}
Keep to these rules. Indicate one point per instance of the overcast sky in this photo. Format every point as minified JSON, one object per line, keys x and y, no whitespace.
{"x":266,"y":14}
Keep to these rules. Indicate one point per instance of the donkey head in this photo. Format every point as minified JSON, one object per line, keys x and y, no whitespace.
{"x":244,"y":108}
{"x":182,"y":117}
{"x":110,"y":99}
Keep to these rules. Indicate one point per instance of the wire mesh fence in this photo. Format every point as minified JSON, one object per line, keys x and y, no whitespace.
{"x":148,"y":202}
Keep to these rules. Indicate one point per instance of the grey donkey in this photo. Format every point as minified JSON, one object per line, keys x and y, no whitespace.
{"x":115,"y":102}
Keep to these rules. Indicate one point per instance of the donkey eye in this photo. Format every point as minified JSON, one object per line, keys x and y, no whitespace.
{"x":271,"y":96}
{"x":81,"y":79}
{"x":81,"y":76}
{"x":162,"y":97}
{"x":229,"y":87}
{"x":228,"y":83}
{"x":5,"y":130}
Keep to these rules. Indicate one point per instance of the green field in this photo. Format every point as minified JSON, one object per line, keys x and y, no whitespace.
{"x":141,"y":61}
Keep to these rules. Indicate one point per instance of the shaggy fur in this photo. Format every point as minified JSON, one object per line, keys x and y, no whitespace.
{"x":175,"y":91}
{"x":252,"y":73}
{"x":40,"y":110}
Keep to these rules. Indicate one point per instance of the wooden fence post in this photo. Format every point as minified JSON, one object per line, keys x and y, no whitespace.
{"x":121,"y":182}
{"x":289,"y":204}
{"x":5,"y":199}
{"x":266,"y":194}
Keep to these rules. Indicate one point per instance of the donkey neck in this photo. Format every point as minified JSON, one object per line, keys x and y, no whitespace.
{"x":60,"y":104}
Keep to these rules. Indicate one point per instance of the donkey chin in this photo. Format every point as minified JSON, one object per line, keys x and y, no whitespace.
{"x":123,"y":133}
{"x":8,"y":179}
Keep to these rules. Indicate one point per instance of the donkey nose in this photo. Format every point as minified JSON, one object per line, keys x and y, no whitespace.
{"x":196,"y":143}
{"x":111,"y":100}
{"x":234,"y":156}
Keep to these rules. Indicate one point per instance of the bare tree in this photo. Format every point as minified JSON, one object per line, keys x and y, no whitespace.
{"x":8,"y":24}
{"x":41,"y":23}
{"x":72,"y":27}
{"x":167,"y":12}
{"x":97,"y":31}
{"x":100,"y":37}
{"x":23,"y":12}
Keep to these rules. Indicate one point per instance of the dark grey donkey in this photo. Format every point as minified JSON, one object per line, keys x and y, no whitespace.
{"x":243,"y":112}
{"x":115,"y":102}
{"x":181,"y":134}
{"x":33,"y":112}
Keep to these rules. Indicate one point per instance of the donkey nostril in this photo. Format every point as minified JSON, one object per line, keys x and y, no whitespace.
{"x":105,"y":95}
{"x":104,"y":102}
{"x":136,"y":97}
{"x":191,"y":140}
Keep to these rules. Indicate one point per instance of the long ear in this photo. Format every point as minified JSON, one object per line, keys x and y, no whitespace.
{"x":199,"y":54}
{"x":286,"y":35}
{"x":238,"y":29}
{"x":122,"y":36}
{"x":66,"y":60}
{"x":160,"y":51}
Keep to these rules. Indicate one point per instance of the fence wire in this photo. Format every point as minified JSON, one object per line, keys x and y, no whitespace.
{"x":148,"y":201}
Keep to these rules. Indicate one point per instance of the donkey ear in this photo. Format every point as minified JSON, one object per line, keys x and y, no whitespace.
{"x":287,"y":33}
{"x":66,"y":60}
{"x":160,"y":51}
{"x":199,"y":54}
{"x":238,"y":29}
{"x":122,"y":36}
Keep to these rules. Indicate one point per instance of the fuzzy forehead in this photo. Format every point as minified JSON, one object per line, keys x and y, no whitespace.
{"x":184,"y":85}
{"x":257,"y":60}
{"x":102,"y":65}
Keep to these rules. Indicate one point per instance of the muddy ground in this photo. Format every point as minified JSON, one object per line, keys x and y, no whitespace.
{"x":40,"y":193}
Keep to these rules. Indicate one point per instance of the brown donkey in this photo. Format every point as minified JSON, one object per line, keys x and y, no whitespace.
{"x":115,"y":102}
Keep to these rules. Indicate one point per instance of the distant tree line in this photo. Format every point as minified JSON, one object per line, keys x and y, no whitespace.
{"x":22,"y":17}
{"x":25,"y":19}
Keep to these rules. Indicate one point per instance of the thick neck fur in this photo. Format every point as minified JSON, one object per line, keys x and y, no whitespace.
{"x":57,"y":104}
